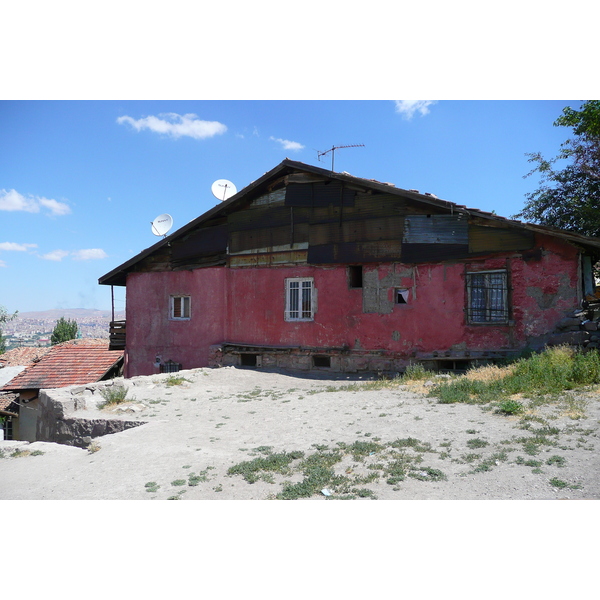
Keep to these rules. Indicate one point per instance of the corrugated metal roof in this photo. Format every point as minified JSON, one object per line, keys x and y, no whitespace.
{"x":71,"y":363}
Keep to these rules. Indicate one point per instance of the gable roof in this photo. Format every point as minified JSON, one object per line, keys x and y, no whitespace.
{"x":118,"y":275}
{"x":70,"y":363}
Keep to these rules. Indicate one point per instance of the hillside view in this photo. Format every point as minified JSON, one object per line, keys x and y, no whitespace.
{"x":35,"y":328}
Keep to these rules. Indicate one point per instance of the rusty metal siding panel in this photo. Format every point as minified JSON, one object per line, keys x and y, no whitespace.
{"x":257,"y":218}
{"x":423,"y":253}
{"x":355,"y":252}
{"x":378,"y":205}
{"x":318,"y":194}
{"x":435,"y":229}
{"x":206,"y":241}
{"x":492,"y":239}
{"x":366,"y":230}
{"x":259,"y":238}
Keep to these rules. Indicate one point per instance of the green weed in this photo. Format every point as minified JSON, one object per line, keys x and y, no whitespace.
{"x":114,"y":394}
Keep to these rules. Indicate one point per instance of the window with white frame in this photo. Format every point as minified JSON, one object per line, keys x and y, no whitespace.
{"x":299,"y":299}
{"x":180,"y":308}
{"x":487,"y":297}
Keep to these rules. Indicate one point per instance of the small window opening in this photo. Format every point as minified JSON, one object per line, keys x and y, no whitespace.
{"x":170,"y":367}
{"x":355,"y":276}
{"x":248,"y":360}
{"x":322,"y":361}
{"x":400,"y":296}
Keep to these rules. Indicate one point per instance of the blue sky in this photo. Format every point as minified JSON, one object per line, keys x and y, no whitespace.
{"x":81,"y":181}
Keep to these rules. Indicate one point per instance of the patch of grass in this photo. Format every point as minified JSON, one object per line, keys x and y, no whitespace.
{"x":114,"y":394}
{"x":510,"y":407}
{"x":477,"y":443}
{"x":152,"y":486}
{"x":415,"y":373}
{"x":559,"y":461}
{"x":178,"y":482}
{"x":251,"y":470}
{"x":37,"y":453}
{"x":549,"y":373}
{"x":559,"y":483}
{"x":20,"y":453}
{"x":173,"y":380}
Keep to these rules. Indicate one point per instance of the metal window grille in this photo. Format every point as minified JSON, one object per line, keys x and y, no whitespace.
{"x":299,"y":304}
{"x":487,"y":297}
{"x":170,"y":367}
{"x":180,"y":307}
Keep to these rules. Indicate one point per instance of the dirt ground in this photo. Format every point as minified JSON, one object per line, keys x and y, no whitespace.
{"x":196,"y":431}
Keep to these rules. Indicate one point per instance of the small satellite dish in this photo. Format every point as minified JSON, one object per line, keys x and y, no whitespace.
{"x":162,"y":224}
{"x":223,"y":189}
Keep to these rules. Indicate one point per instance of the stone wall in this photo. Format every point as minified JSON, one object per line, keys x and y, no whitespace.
{"x":59,"y":422}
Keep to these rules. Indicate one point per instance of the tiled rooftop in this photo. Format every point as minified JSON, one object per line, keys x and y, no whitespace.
{"x":71,"y":363}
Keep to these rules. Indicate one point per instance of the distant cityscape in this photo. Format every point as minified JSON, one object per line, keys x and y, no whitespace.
{"x":34,"y":329}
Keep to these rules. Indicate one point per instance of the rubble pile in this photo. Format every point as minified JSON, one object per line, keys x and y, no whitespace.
{"x":581,"y":327}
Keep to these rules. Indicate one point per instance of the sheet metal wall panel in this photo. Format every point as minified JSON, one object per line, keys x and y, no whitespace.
{"x":366,"y":230}
{"x":318,"y":194}
{"x":259,"y":238}
{"x":209,"y":241}
{"x":492,"y":239}
{"x":378,"y":205}
{"x":358,"y":252}
{"x":435,"y":229}
{"x":268,"y":216}
{"x":421,"y":253}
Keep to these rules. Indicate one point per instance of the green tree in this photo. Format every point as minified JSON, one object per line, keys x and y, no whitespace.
{"x":4,"y":317}
{"x":64,"y":330}
{"x":569,"y":198}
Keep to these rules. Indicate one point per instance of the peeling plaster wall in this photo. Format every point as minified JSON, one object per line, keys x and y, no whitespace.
{"x":246,"y":305}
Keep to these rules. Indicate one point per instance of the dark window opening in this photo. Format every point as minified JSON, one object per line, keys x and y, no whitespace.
{"x":355,"y":276}
{"x":400,"y":296}
{"x":248,"y":360}
{"x":321,"y":361}
{"x":170,"y":367}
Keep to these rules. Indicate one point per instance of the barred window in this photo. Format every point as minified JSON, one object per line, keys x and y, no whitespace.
{"x":487,"y":297}
{"x":180,"y":307}
{"x":299,"y":301}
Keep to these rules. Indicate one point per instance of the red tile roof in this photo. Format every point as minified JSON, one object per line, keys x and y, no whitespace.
{"x":70,"y":363}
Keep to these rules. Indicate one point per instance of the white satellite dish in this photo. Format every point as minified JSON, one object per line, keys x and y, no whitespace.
{"x":223,"y":189}
{"x":162,"y":224}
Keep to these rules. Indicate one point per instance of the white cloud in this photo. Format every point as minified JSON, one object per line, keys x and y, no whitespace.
{"x":85,"y":254}
{"x":287,"y":145}
{"x":13,"y":247}
{"x":177,"y":125}
{"x":408,"y":108}
{"x":11,"y":200}
{"x":2,"y":264}
{"x":56,"y":255}
{"x":89,"y":254}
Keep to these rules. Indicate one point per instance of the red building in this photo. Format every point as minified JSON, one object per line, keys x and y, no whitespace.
{"x":306,"y":268}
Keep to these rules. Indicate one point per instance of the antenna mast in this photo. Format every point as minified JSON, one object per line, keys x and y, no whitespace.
{"x":333,"y":149}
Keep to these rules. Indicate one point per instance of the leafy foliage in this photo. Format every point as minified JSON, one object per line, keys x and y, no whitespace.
{"x":569,"y":198}
{"x":64,"y":330}
{"x":4,"y":317}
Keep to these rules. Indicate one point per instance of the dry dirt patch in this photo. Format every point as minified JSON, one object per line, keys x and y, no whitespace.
{"x":243,"y":434}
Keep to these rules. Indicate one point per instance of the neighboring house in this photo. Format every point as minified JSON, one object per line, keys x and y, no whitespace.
{"x":75,"y":362}
{"x":306,"y":268}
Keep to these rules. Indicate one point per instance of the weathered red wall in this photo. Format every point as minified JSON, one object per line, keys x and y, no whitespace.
{"x":247,"y":306}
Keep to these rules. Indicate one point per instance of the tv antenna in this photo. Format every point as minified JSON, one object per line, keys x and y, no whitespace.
{"x":162,"y":224}
{"x":333,"y":149}
{"x":223,"y":189}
